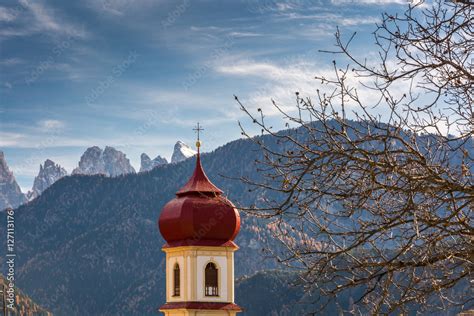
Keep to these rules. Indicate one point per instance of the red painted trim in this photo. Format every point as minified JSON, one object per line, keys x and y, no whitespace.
{"x":202,"y":305}
{"x":210,"y":243}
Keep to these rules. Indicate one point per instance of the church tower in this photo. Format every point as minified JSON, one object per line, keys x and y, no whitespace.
{"x":199,"y":226}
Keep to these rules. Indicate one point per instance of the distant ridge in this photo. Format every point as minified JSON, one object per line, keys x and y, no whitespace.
{"x":94,"y":239}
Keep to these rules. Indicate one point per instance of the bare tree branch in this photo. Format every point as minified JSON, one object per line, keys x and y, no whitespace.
{"x":382,"y":201}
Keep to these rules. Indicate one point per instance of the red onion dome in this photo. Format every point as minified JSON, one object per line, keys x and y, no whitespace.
{"x":199,"y":215}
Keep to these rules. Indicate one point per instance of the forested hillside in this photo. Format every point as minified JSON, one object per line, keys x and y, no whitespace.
{"x":23,"y":304}
{"x":90,"y":244}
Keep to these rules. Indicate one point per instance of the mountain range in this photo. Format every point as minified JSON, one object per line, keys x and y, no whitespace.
{"x":109,"y":162}
{"x":90,"y":245}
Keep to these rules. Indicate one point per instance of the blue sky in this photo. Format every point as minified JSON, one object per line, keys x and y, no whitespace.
{"x":138,"y":74}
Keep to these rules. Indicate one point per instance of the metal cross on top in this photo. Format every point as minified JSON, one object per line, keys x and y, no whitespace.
{"x":198,"y":129}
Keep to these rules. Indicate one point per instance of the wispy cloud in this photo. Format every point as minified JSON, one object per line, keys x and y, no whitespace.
{"x":119,"y":8}
{"x":250,"y":68}
{"x":7,"y":15}
{"x":279,"y":82}
{"x":210,"y":28}
{"x":15,"y":32}
{"x":352,"y":21}
{"x":374,"y":2}
{"x":51,"y":124}
{"x":422,"y":3}
{"x":245,"y":34}
{"x":218,"y":31}
{"x":46,"y":20}
{"x":325,"y":19}
{"x":116,"y":8}
{"x":31,"y":17}
{"x":8,"y":139}
{"x":42,"y":15}
{"x":36,"y":141}
{"x":11,"y":61}
{"x":159,"y":107}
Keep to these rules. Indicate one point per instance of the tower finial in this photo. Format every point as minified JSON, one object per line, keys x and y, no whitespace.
{"x":198,"y":129}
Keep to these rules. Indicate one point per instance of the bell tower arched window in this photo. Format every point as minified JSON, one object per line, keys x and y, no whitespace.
{"x":176,"y":281}
{"x":211,"y":273}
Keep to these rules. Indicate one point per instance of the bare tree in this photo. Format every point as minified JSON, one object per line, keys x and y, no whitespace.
{"x":379,"y":195}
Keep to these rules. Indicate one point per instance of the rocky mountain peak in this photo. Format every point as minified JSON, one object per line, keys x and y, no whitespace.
{"x":10,"y":192}
{"x":49,"y":173}
{"x":116,"y":162}
{"x":148,"y":164}
{"x":110,"y":162}
{"x":48,"y":163}
{"x":182,"y":152}
{"x":91,"y":162}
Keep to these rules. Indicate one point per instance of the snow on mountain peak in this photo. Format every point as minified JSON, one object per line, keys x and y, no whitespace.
{"x":182,"y":152}
{"x":110,"y":162}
